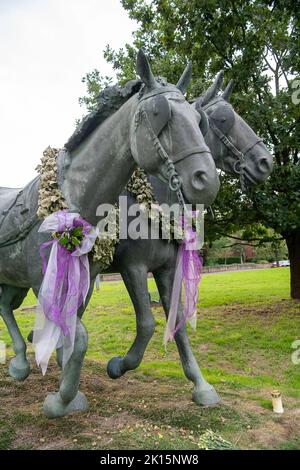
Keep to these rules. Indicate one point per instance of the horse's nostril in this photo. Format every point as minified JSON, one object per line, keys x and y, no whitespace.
{"x":198,"y":180}
{"x":264,"y":165}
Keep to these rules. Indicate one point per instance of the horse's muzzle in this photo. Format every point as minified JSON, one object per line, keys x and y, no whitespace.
{"x":204,"y":184}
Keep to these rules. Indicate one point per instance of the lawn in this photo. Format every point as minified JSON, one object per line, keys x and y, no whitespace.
{"x":246,"y":326}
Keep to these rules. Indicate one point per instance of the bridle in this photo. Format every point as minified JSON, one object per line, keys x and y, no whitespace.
{"x":239,"y":165}
{"x":173,"y":179}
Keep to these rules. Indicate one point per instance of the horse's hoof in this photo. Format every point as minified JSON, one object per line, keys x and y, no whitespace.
{"x":54,"y":407}
{"x":208,"y":397}
{"x":19,"y":368}
{"x":114,"y":367}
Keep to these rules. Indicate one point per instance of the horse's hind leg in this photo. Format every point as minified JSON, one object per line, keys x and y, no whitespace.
{"x":10,"y":299}
{"x":135,"y":279}
{"x":204,"y":393}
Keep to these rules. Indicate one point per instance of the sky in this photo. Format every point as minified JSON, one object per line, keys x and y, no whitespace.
{"x":46,"y":47}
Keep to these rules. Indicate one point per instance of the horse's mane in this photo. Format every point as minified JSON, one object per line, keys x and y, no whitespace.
{"x":108,"y":102}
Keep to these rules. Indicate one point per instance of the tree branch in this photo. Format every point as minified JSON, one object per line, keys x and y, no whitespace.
{"x":249,"y":240}
{"x":268,"y":64}
{"x":226,"y":59}
{"x":279,"y":63}
{"x":241,"y":244}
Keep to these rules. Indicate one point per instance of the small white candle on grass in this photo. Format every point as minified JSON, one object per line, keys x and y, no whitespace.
{"x":277,"y":401}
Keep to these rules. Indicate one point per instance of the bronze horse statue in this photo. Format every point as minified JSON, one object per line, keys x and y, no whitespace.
{"x":236,"y":150}
{"x":149,"y":130}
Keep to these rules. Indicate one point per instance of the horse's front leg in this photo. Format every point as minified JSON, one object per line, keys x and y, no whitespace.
{"x":69,"y":399}
{"x":59,"y":351}
{"x":204,"y":393}
{"x":10,"y":299}
{"x":135,"y":278}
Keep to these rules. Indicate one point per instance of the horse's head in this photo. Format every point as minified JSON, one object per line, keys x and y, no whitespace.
{"x":236,"y":148}
{"x":166,"y":140}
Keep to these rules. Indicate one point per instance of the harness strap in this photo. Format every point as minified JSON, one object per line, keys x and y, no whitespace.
{"x":186,"y":153}
{"x":239,"y":164}
{"x":174,"y":180}
{"x":6,"y":211}
{"x":24,"y":229}
{"x":158,"y":91}
{"x":251,"y":145}
{"x":226,"y":141}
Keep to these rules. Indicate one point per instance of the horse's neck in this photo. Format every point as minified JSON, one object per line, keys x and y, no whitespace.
{"x":101,"y":166}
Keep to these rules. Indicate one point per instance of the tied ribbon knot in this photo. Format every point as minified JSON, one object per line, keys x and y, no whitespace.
{"x":64,"y":288}
{"x":187,"y":274}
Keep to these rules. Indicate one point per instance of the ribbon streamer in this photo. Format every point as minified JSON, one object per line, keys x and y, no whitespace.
{"x":187,"y":274}
{"x":64,"y":288}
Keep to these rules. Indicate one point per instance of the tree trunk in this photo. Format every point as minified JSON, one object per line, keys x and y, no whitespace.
{"x":293,"y":244}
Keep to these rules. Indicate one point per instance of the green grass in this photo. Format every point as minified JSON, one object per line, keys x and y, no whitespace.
{"x":7,"y":433}
{"x":246,"y":325}
{"x":294,"y":444}
{"x":215,"y":289}
{"x":110,"y":322}
{"x":243,"y":287}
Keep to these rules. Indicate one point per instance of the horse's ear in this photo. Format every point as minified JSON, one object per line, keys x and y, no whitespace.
{"x":143,"y":69}
{"x":228,"y":90}
{"x":185,"y":79}
{"x":209,"y":94}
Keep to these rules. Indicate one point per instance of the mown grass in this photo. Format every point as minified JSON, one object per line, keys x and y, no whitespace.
{"x":246,"y":326}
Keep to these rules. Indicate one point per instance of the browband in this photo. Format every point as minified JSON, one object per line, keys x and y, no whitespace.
{"x":159,"y":91}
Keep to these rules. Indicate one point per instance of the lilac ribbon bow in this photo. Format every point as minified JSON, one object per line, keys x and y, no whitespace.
{"x":187,"y":273}
{"x":64,"y":288}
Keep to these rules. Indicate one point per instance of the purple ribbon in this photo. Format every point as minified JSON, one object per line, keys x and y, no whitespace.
{"x":64,"y":288}
{"x":187,"y":274}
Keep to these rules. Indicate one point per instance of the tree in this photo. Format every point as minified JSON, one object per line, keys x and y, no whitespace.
{"x":256,"y":42}
{"x":94,"y":84}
